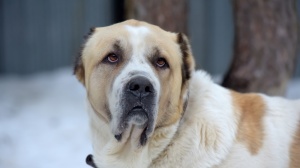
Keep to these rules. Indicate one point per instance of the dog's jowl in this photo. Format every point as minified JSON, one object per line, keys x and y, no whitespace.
{"x":148,"y":107}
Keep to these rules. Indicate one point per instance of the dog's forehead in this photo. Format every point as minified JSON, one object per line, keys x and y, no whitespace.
{"x":137,"y":30}
{"x":133,"y":33}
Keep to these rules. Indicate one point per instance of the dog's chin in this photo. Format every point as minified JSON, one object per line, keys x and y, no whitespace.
{"x":137,"y":122}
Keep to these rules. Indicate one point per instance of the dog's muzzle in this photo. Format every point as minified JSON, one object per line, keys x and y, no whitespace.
{"x":139,"y":106}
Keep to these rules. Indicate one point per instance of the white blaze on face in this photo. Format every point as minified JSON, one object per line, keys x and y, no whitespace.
{"x":139,"y":65}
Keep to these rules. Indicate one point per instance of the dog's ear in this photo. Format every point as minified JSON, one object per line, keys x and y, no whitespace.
{"x":79,"y":67}
{"x":188,"y":63}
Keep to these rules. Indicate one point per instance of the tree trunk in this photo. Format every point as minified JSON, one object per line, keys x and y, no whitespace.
{"x":265,"y":46}
{"x":170,"y":15}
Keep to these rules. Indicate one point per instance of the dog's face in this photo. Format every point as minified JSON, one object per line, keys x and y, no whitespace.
{"x":136,"y":77}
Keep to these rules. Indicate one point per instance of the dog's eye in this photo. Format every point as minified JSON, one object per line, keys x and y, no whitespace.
{"x":112,"y":58}
{"x":161,"y":63}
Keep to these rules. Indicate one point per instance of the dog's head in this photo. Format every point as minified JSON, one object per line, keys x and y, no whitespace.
{"x":136,"y":76}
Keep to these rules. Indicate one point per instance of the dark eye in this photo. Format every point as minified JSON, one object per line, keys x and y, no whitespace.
{"x":161,"y":63}
{"x":112,"y":58}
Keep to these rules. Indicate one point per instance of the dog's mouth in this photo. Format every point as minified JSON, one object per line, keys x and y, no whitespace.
{"x":137,"y":115}
{"x":137,"y":118}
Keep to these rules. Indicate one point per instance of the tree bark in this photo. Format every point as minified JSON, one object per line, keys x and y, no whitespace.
{"x":265,"y":46}
{"x":170,"y":15}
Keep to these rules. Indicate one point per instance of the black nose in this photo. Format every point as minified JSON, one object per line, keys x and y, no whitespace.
{"x":140,"y":86}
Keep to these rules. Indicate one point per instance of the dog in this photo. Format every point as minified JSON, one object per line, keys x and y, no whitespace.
{"x":149,"y":107}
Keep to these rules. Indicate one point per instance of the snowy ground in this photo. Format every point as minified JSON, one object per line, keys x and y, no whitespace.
{"x":43,"y":122}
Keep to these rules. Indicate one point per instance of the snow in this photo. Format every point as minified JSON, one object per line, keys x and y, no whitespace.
{"x":43,"y":121}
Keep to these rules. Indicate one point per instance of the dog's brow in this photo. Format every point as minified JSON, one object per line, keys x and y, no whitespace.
{"x":155,"y":52}
{"x":117,"y":47}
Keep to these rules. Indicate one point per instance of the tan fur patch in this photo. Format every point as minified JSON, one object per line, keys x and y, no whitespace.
{"x":250,"y":110}
{"x":295,"y":150}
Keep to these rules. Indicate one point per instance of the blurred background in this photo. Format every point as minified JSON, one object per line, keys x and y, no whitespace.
{"x":43,"y":121}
